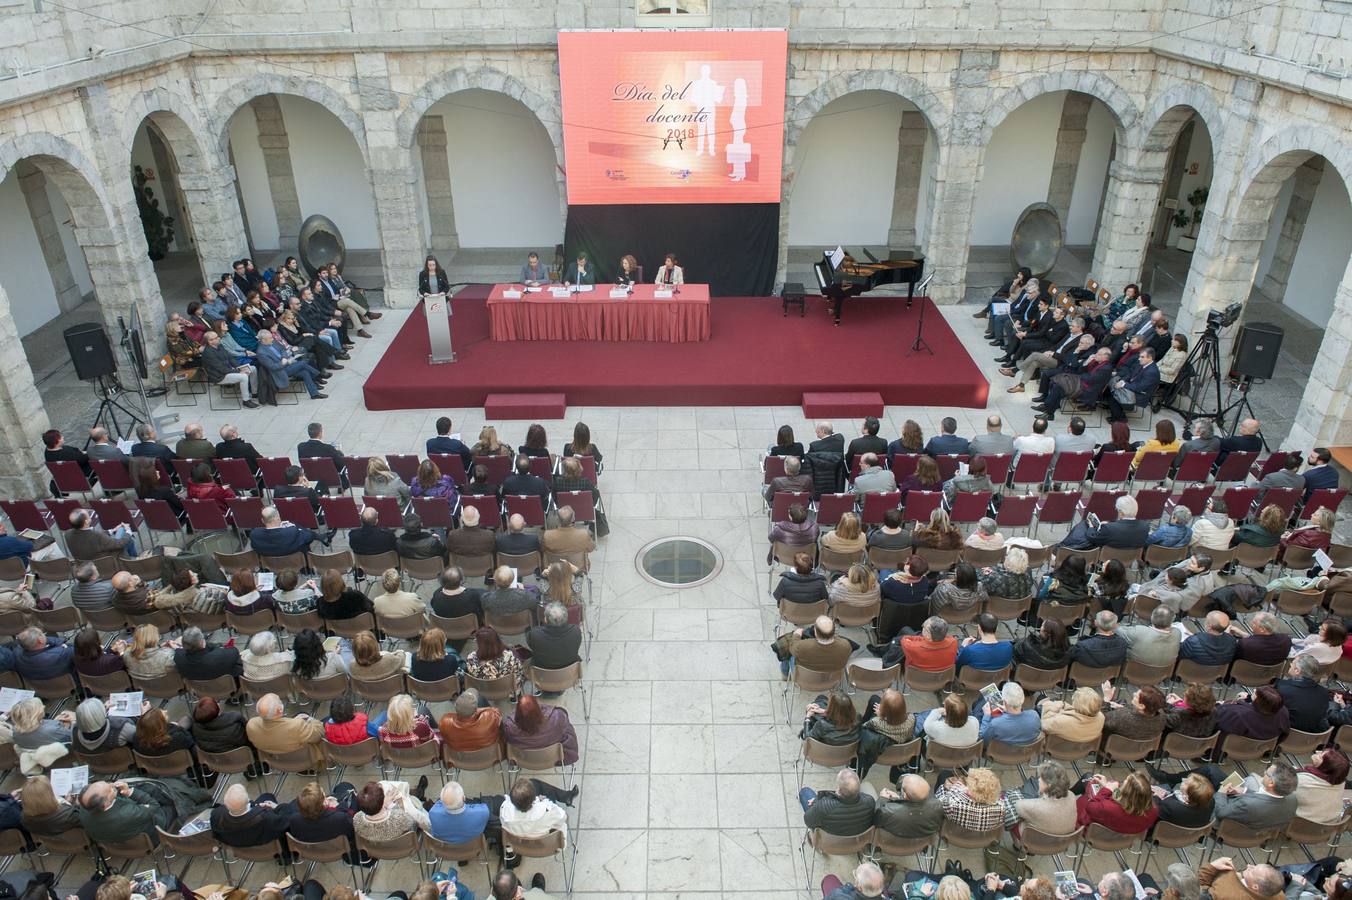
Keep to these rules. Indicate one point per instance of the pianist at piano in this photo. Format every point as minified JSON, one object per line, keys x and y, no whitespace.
{"x":840,"y":277}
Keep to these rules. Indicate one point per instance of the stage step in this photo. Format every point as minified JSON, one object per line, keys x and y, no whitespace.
{"x":842,"y":404}
{"x":525,"y":406}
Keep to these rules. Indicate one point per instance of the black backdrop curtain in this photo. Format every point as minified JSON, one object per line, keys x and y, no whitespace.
{"x":732,"y":247}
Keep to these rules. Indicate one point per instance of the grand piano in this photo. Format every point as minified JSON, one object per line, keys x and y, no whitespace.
{"x":839,"y":276}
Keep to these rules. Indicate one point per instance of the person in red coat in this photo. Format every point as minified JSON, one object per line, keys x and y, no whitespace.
{"x":1127,"y":807}
{"x":204,"y":487}
{"x":1318,"y":535}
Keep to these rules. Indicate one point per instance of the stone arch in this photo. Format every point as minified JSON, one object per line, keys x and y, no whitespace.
{"x":1280,"y":155}
{"x":483,"y":78}
{"x":1162,"y":122}
{"x":312,"y":89}
{"x":72,"y":172}
{"x":936,"y":112}
{"x":178,"y":122}
{"x":1100,"y":87}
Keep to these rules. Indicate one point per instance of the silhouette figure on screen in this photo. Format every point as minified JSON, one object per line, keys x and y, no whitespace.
{"x":739,"y":152}
{"x":706,"y":94}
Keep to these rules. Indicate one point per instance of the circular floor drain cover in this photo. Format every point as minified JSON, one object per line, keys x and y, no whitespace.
{"x":679,"y":562}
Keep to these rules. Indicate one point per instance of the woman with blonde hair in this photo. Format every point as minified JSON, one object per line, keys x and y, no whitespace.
{"x":145,"y":658}
{"x":560,"y":576}
{"x":859,"y":587}
{"x":1009,"y":577}
{"x":44,"y":813}
{"x":382,"y":482}
{"x":972,"y":802}
{"x":847,"y":538}
{"x":951,"y":887}
{"x":1126,"y":807}
{"x":489,"y":445}
{"x":1081,"y":720}
{"x":939,"y":533}
{"x":32,"y":731}
{"x":431,"y":662}
{"x":1318,"y":535}
{"x":405,"y":725}
{"x":1265,"y":531}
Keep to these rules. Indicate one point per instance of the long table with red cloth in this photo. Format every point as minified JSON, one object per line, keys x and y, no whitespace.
{"x":594,"y":316}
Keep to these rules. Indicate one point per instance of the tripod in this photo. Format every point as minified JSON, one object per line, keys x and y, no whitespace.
{"x":111,"y":402}
{"x":1241,"y":407}
{"x":1205,"y":364}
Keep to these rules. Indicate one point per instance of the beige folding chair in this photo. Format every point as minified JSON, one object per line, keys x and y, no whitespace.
{"x":547,"y":847}
{"x":403,"y":847}
{"x":811,"y":681}
{"x":831,"y":845}
{"x":540,"y":759}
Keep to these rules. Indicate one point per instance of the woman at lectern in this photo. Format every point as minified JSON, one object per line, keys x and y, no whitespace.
{"x":628,"y":274}
{"x":670,"y":273}
{"x":432,"y":279}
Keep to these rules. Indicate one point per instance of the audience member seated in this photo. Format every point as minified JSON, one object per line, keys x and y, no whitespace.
{"x":470,"y":539}
{"x":872,"y":477}
{"x":947,"y":441}
{"x":32,"y":732}
{"x":1193,"y":714}
{"x":570,"y":479}
{"x":1008,"y":722}
{"x":184,"y":593}
{"x":337,"y":601}
{"x":92,"y":659}
{"x":387,"y":811}
{"x":232,"y":446}
{"x":933,"y":650}
{"x":453,"y":600}
{"x":414,"y":543}
{"x":1213,"y":645}
{"x":197,"y":660}
{"x":42,"y":657}
{"x":445,"y":444}
{"x":395,"y":602}
{"x":157,"y":736}
{"x":986,"y":651}
{"x":869,"y":882}
{"x":264,"y":659}
{"x":1074,"y":439}
{"x":370,"y":663}
{"x":89,"y":592}
{"x":556,"y":643}
{"x":522,"y":483}
{"x":271,"y":731}
{"x":313,"y":662}
{"x":1125,"y":533}
{"x":1140,"y":719}
{"x":148,"y":444}
{"x":44,"y":813}
{"x":215,"y":730}
{"x":831,"y":719}
{"x":1192,"y":804}
{"x":938,"y":534}
{"x":1266,"y":801}
{"x":1080,"y":720}
{"x":1010,"y":577}
{"x":146,"y":657}
{"x":802,"y":584}
{"x":910,"y":811}
{"x":491,"y":659}
{"x":1320,"y":787}
{"x":886,"y":721}
{"x":818,"y":647}
{"x":516,"y":540}
{"x":1265,"y":531}
{"x":346,"y":725}
{"x":455,"y":820}
{"x":535,"y":727}
{"x":799,"y":531}
{"x":431,"y":484}
{"x":1165,"y":441}
{"x":1213,"y":529}
{"x":131,"y":596}
{"x":114,"y":812}
{"x":1155,"y":644}
{"x":974,"y":482}
{"x":1039,"y":443}
{"x":1305,"y":698}
{"x":951,"y":724}
{"x":847,"y":538}
{"x":469,"y":726}
{"x":924,"y":478}
{"x":202,"y":486}
{"x":1177,"y":532}
{"x":1260,"y":716}
{"x":986,"y":536}
{"x":784,"y":444}
{"x":406,"y":725}
{"x":432,"y":661}
{"x":85,"y":540}
{"x":1046,"y":648}
{"x":1125,"y":807}
{"x":278,"y":538}
{"x":844,"y":812}
{"x":320,"y":817}
{"x":960,"y":593}
{"x":1046,"y":803}
{"x":1264,"y":645}
{"x":1325,"y":645}
{"x":910,"y":441}
{"x":828,"y":440}
{"x":145,"y":474}
{"x":905,"y":599}
{"x":244,"y":598}
{"x":857,"y":589}
{"x":382,"y":482}
{"x":532,"y":809}
{"x":972,"y":802}
{"x":506,"y":596}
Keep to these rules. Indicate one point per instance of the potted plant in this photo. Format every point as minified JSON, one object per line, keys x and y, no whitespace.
{"x":158,"y":228}
{"x":1197,"y":200}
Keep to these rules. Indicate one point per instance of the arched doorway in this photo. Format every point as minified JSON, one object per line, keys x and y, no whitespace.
{"x":1184,"y":143}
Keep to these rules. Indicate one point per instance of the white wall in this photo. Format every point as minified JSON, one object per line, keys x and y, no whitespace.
{"x":330,"y":175}
{"x":253,"y":181}
{"x":1199,"y":152}
{"x":165,"y":192}
{"x":1279,"y":211}
{"x":1018,"y":168}
{"x":1323,"y":253}
{"x":23,"y":273}
{"x":1090,"y":175}
{"x":502,"y":167}
{"x":846,"y":165}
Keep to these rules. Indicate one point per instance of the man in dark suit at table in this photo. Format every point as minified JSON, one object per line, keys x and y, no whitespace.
{"x":443,"y":443}
{"x":580,"y":272}
{"x":316,"y":448}
{"x":1321,"y":475}
{"x":867,"y":442}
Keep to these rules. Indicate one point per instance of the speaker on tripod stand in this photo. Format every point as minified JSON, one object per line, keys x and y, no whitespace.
{"x":90,"y":351}
{"x":1255,"y":351}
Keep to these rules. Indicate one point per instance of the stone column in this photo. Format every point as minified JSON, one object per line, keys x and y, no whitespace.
{"x":437,"y":181}
{"x":34,"y":186}
{"x":910,"y":169}
{"x":1306,"y":183}
{"x":393,"y":181}
{"x":217,"y":222}
{"x":22,"y":415}
{"x":957,"y":174}
{"x":1233,"y":227}
{"x":1324,"y":417}
{"x":276,"y":147}
{"x":1124,"y":227}
{"x":1066,"y":162}
{"x":118,"y":263}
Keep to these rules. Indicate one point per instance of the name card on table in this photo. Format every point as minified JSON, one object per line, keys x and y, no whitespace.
{"x":660,"y":294}
{"x":618,"y":293}
{"x":560,"y":292}
{"x":512,"y":295}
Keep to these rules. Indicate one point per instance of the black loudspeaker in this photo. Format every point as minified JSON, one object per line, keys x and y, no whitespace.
{"x":90,"y":350}
{"x":1256,"y":349}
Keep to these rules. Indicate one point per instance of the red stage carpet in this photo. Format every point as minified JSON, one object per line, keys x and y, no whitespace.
{"x":756,"y":358}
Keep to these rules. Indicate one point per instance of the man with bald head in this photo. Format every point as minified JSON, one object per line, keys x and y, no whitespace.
{"x":369,"y":539}
{"x":1246,"y":439}
{"x":273,"y":732}
{"x":1255,"y":882}
{"x":232,"y":446}
{"x":193,"y":444}
{"x":470,"y":539}
{"x":828,"y":440}
{"x":516,"y":540}
{"x":237,"y":822}
{"x":843,"y":812}
{"x":911,"y":811}
{"x":103,"y":448}
{"x":130,"y":594}
{"x":1213,"y":645}
{"x":868,"y":882}
{"x":118,"y":811}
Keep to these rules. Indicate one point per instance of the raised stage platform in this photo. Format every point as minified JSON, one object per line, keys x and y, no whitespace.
{"x":756,"y":357}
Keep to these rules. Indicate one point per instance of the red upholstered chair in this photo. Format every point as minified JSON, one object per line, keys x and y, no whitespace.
{"x":830,"y":507}
{"x":772,"y":467}
{"x":356,"y":469}
{"x":490,"y":513}
{"x":183,"y":468}
{"x":1072,"y":467}
{"x":919,"y":505}
{"x":1324,"y":498}
{"x":1031,"y":469}
{"x":113,"y":513}
{"x":970,"y":507}
{"x":1114,"y":468}
{"x":61,"y":510}
{"x":112,"y":474}
{"x":1153,"y":467}
{"x":779,"y":507}
{"x":1273,"y":463}
{"x":1238,"y":500}
{"x":1193,"y":498}
{"x":405,"y":465}
{"x":589,"y":471}
{"x":875,"y":505}
{"x":542,"y":466}
{"x":1284,"y":499}
{"x":435,"y":512}
{"x":1150,"y":503}
{"x":273,"y":469}
{"x":27,"y":514}
{"x":1017,"y":512}
{"x":321,"y":468}
{"x":1195,"y":468}
{"x":1101,"y":504}
{"x":159,"y":516}
{"x":297,"y":511}
{"x":246,"y":511}
{"x":388,"y":508}
{"x":1236,"y":466}
{"x":903,"y":465}
{"x":527,"y":505}
{"x":997,"y":467}
{"x":1057,"y":508}
{"x":581,"y":501}
{"x":451,"y":464}
{"x":499,"y":467}
{"x":69,"y":477}
{"x":236,"y":475}
{"x":205,"y":515}
{"x":341,"y":512}
{"x":948,"y":464}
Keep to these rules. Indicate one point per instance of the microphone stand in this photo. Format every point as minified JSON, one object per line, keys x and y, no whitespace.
{"x":920,"y":343}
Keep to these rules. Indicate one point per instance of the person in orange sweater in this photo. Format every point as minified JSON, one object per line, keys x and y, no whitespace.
{"x":470,"y":727}
{"x":933,"y":650}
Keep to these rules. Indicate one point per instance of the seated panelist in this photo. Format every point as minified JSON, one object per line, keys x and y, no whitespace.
{"x":627,"y":276}
{"x":670,"y":273}
{"x":579,"y":272}
{"x":534,"y":273}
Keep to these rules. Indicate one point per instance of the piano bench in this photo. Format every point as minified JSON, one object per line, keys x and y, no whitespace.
{"x":793,"y":292}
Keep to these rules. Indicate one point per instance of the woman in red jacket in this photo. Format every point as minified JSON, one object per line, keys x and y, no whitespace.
{"x":1126,"y":808}
{"x":1318,"y":535}
{"x":204,"y":487}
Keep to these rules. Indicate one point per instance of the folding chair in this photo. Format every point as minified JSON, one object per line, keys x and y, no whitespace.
{"x":236,"y":474}
{"x":451,"y":464}
{"x":528,"y":506}
{"x":69,"y":477}
{"x":1072,"y":467}
{"x":499,"y":467}
{"x":490,"y":513}
{"x":1324,"y":498}
{"x":273,"y":470}
{"x":1153,"y":466}
{"x":321,"y":470}
{"x":205,"y":515}
{"x":1236,"y":466}
{"x":247,"y":512}
{"x":1114,"y":467}
{"x":970,"y":508}
{"x":1016,"y":511}
{"x":340,"y":513}
{"x":1194,"y":468}
{"x":1056,"y":508}
{"x":356,"y":470}
{"x":387,"y":509}
{"x":1030,"y":470}
{"x":405,"y":465}
{"x":112,"y":475}
{"x":917,"y":508}
{"x":297,"y":511}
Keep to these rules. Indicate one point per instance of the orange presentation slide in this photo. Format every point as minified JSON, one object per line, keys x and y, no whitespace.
{"x":673,"y":117}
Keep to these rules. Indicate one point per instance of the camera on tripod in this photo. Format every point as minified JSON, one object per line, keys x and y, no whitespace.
{"x":1224,"y":318}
